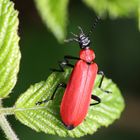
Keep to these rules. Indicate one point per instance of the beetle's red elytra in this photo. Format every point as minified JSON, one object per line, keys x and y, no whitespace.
{"x":77,"y":96}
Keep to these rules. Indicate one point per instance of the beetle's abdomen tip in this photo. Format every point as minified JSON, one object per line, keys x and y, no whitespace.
{"x":69,"y":127}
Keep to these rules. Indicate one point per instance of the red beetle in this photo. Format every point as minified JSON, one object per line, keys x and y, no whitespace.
{"x":77,"y":95}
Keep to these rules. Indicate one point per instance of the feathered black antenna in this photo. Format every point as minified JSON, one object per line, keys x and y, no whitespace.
{"x":94,"y":25}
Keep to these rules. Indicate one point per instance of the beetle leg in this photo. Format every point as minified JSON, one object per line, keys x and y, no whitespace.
{"x":62,"y":64}
{"x":58,"y":86}
{"x":65,"y":62}
{"x":53,"y":95}
{"x":100,"y":85}
{"x":67,"y":57}
{"x":96,"y":98}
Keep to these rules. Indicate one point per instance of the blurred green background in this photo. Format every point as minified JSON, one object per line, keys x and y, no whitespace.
{"x":117,"y":47}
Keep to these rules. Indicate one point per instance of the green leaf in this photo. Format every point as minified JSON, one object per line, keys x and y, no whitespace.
{"x":115,"y":8}
{"x":139,"y":18}
{"x":54,"y":15}
{"x":46,"y":117}
{"x":9,"y":49}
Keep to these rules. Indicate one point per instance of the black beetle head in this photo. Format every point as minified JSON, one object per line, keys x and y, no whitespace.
{"x":84,"y":41}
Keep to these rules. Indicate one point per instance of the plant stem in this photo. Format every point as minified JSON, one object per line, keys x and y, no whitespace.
{"x":7,"y":111}
{"x":10,"y":134}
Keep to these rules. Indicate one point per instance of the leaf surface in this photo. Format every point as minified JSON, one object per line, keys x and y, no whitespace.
{"x":54,"y":15}
{"x":115,"y":8}
{"x":9,"y":48}
{"x":47,"y":118}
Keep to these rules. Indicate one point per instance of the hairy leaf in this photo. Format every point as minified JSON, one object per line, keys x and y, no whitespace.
{"x":46,"y":117}
{"x":9,"y":49}
{"x":54,"y":15}
{"x":115,"y":8}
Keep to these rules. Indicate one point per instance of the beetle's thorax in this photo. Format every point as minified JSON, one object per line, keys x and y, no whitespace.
{"x":87,"y":55}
